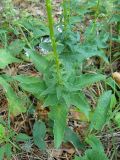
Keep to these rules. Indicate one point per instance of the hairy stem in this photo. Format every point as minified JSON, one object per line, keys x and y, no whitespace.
{"x":52,"y":36}
{"x":96,"y":16}
{"x":66,"y":13}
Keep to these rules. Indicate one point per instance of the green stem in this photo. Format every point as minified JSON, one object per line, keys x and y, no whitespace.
{"x":66,"y":13}
{"x":113,"y":140}
{"x":14,"y":144}
{"x":52,"y":36}
{"x":5,"y":40}
{"x":95,"y":20}
{"x":110,"y":49}
{"x":9,"y":118}
{"x":96,"y":16}
{"x":25,"y":38}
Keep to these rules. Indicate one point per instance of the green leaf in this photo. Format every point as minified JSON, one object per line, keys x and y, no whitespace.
{"x":6,"y":58}
{"x":49,"y":90}
{"x":77,"y":158}
{"x":79,"y":100}
{"x":82,"y":53}
{"x":97,"y":151}
{"x":2,"y":151}
{"x":16,"y":47}
{"x":84,"y":81}
{"x":51,"y":100}
{"x":59,"y":115}
{"x":27,"y":79}
{"x":39,"y":61}
{"x":39,"y":131}
{"x":15,"y":104}
{"x":101,"y":112}
{"x":88,"y":79}
{"x":8,"y":150}
{"x":2,"y":132}
{"x":31,"y":84}
{"x":113,"y":85}
{"x":36,"y":88}
{"x":22,"y":137}
{"x":35,"y":27}
{"x":72,"y":137}
{"x":113,"y":101}
{"x":117,"y":119}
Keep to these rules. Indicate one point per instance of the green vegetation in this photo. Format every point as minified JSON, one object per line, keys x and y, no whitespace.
{"x":72,"y":69}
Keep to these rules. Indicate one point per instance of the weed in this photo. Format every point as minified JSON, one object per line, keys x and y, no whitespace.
{"x":61,"y":77}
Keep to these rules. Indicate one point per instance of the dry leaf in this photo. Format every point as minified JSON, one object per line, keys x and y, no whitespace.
{"x":116,"y":77}
{"x":57,"y":153}
{"x":76,"y":115}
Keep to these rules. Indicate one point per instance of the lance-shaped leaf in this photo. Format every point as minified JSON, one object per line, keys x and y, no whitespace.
{"x":22,"y":137}
{"x":27,"y":79}
{"x":111,"y":82}
{"x":80,"y":101}
{"x":39,"y":61}
{"x":6,"y":151}
{"x":6,"y":58}
{"x":31,"y":84}
{"x":117,"y":119}
{"x":82,"y":53}
{"x":15,"y":104}
{"x":2,"y":151}
{"x":58,"y":114}
{"x":88,"y":79}
{"x":84,"y":81}
{"x":72,"y":137}
{"x":39,"y":131}
{"x":51,"y":100}
{"x":101,"y":113}
{"x":96,"y":152}
{"x":16,"y":47}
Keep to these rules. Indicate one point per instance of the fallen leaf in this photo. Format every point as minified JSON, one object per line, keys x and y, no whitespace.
{"x":77,"y":115}
{"x":116,"y":77}
{"x":57,"y":153}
